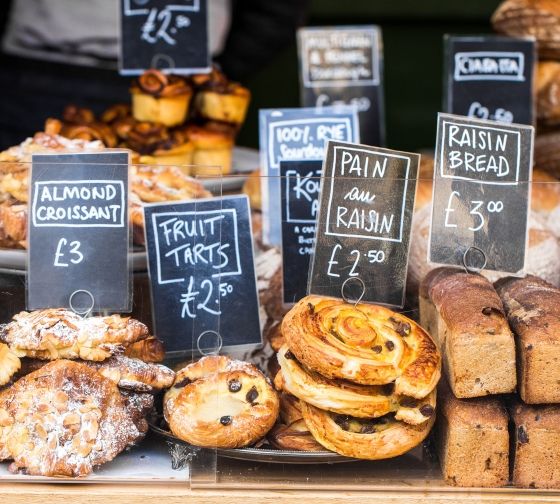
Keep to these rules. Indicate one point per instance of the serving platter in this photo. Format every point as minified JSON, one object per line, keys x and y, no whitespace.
{"x":180,"y":448}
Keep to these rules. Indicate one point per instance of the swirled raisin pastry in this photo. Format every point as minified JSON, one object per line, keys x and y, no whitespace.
{"x":363,"y":343}
{"x":219,"y":402}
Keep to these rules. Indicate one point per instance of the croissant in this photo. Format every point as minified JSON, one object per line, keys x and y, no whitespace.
{"x":371,"y":439}
{"x":339,"y":396}
{"x":61,"y":334}
{"x":219,"y":402}
{"x":365,"y":344}
{"x":63,"y":420}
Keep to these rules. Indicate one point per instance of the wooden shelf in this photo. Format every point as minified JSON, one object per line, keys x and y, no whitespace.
{"x":22,"y":493}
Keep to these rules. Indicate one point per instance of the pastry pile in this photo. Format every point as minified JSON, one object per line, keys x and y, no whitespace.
{"x":76,"y":392}
{"x":364,"y":376}
{"x":220,"y":402}
{"x":172,"y":121}
{"x":148,"y":184}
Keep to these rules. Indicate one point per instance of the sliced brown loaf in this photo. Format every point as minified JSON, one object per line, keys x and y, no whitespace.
{"x":465,"y":316}
{"x":472,"y":440}
{"x":533,"y":310}
{"x":537,"y":446}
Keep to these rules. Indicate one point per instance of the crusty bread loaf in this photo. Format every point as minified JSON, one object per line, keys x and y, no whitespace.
{"x":465,"y":316}
{"x":537,"y":446}
{"x":533,"y":310}
{"x":472,"y":440}
{"x":548,"y":93}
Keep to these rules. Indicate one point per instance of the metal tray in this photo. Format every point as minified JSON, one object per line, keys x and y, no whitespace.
{"x":180,"y":449}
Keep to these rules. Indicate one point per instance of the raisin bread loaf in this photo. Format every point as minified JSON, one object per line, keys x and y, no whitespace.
{"x":465,"y":316}
{"x":533,"y":310}
{"x":472,"y":440}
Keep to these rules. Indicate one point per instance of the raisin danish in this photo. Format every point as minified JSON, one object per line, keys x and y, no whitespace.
{"x":61,"y":334}
{"x":371,"y":439}
{"x":63,"y":420}
{"x":365,"y":344}
{"x":344,"y":397}
{"x":219,"y":402}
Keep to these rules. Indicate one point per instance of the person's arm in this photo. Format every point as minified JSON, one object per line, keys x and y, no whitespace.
{"x":259,"y":30}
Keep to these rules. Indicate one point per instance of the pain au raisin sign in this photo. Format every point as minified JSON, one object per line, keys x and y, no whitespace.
{"x":365,"y":215}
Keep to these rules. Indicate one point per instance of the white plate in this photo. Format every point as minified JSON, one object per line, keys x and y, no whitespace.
{"x":245,"y":160}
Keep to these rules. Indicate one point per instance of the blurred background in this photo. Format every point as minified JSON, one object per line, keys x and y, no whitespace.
{"x":413,"y":48}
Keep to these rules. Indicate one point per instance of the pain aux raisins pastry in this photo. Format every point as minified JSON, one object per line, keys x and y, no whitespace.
{"x":371,"y":439}
{"x":161,"y":98}
{"x":219,"y":402}
{"x":364,"y":377}
{"x":347,"y":398}
{"x":366,"y":344}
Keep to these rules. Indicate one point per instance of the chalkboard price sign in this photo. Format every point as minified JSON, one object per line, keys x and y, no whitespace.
{"x":166,"y":34}
{"x":481,"y":194}
{"x":296,"y":135}
{"x":300,"y":205}
{"x":78,"y":232}
{"x":490,"y":77}
{"x":343,"y":65}
{"x":202,"y":274}
{"x":363,"y":228}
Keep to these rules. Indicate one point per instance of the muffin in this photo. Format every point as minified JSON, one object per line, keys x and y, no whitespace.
{"x":213,"y":149}
{"x":160,"y":98}
{"x":218,"y":99}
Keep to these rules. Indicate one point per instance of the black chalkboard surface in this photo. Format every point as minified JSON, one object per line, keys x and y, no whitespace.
{"x":166,"y":34}
{"x":78,"y":232}
{"x":300,"y":205}
{"x":481,"y":194}
{"x":296,"y":135}
{"x":490,"y":77}
{"x":343,"y":65}
{"x":202,"y":274}
{"x":363,"y":230}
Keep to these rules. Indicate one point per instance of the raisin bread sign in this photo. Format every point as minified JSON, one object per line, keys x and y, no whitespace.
{"x":363,"y":228}
{"x":482,"y":175}
{"x":164,"y":34}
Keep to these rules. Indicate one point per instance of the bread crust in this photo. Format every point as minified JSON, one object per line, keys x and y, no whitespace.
{"x":533,"y":310}
{"x":365,"y":344}
{"x":466,"y":317}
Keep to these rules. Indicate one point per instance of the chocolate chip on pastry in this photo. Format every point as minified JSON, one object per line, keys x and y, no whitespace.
{"x":61,"y":334}
{"x":344,"y":397}
{"x":372,"y":439}
{"x":343,"y":341}
{"x":63,"y":420}
{"x":219,"y":402}
{"x":291,"y":433}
